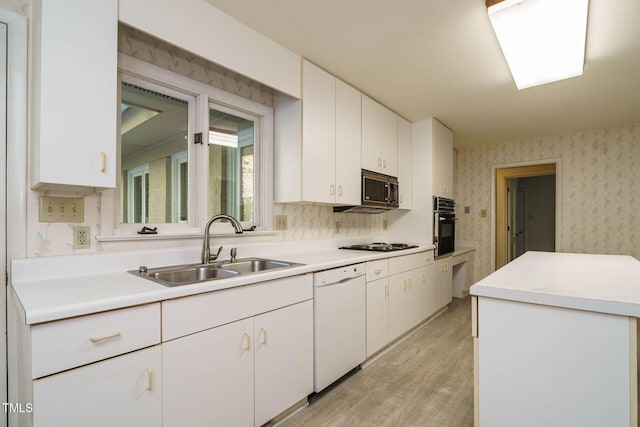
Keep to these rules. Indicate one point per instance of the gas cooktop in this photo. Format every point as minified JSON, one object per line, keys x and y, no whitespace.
{"x":380,"y":247}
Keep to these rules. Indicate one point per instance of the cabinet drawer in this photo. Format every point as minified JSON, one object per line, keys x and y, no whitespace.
{"x":409,"y":262}
{"x":183,"y":316}
{"x":64,"y":344}
{"x":377,"y":269}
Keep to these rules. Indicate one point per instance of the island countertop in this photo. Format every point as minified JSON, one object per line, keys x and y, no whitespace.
{"x":599,"y":283}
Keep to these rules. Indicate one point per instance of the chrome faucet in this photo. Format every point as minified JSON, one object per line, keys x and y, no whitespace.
{"x":206,"y":248}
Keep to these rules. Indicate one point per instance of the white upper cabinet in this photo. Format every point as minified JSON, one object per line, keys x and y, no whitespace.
{"x":318,"y":134}
{"x":318,"y":142}
{"x":442,"y":161}
{"x":74,"y":104}
{"x":348,"y":144}
{"x":379,"y":138}
{"x":405,"y":170}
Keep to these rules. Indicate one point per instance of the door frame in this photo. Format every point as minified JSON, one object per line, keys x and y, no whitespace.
{"x":14,"y":203}
{"x":500,"y":174}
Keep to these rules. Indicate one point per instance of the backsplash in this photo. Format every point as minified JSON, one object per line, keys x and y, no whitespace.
{"x":600,"y":202}
{"x":305,"y":222}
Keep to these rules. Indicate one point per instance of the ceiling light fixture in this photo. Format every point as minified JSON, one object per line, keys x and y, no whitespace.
{"x":542,"y":40}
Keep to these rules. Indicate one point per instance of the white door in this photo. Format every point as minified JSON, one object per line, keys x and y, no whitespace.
{"x":283,"y":359}
{"x":121,"y":391}
{"x":377,"y":315}
{"x":208,"y":377}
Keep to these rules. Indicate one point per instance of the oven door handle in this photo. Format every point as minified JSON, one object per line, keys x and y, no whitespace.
{"x":436,"y":226}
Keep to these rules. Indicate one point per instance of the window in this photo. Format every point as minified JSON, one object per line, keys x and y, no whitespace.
{"x":167,"y":179}
{"x":231,"y":163}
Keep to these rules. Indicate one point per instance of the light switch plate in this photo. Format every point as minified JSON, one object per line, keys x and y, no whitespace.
{"x":61,"y":209}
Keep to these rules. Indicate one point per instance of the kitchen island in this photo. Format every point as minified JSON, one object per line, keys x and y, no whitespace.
{"x":556,"y":341}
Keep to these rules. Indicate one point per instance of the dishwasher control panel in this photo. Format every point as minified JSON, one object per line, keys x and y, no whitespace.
{"x":339,"y":274}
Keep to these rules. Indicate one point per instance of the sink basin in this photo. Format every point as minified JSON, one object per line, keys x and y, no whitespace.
{"x":255,"y":265}
{"x":185,"y":274}
{"x":179,"y":275}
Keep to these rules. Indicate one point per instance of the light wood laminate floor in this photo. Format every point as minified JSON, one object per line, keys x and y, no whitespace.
{"x":427,"y":380}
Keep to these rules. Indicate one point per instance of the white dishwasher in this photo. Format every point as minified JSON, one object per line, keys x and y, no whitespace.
{"x":339,"y":323}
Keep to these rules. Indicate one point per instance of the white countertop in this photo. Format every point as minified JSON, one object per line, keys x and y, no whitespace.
{"x":600,"y":283}
{"x":54,"y":288}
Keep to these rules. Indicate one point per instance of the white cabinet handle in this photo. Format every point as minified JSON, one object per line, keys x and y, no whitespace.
{"x":384,"y":163}
{"x":386,"y":290}
{"x":105,"y":337}
{"x":379,"y":162}
{"x":401,"y":199}
{"x":424,"y":277}
{"x":378,"y":271}
{"x":247,"y":342}
{"x":263,"y":334}
{"x":339,"y":190}
{"x":332,"y":190}
{"x":149,"y":379}
{"x":103,"y":161}
{"x":405,"y":284}
{"x":410,"y":282}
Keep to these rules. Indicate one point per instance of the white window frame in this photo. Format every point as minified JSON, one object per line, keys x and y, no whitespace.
{"x":233,"y":162}
{"x":140,"y":73}
{"x":138,"y":171}
{"x":176,"y":189}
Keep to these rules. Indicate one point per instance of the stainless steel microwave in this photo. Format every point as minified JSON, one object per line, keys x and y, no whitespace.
{"x":379,"y":193}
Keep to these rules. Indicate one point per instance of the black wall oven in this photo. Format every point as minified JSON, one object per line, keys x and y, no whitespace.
{"x":444,"y":226}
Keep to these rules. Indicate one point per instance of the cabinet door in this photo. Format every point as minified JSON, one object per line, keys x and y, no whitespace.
{"x":405,"y":170}
{"x":441,"y":289}
{"x":397,"y":289}
{"x":318,"y":134}
{"x":442,"y":161}
{"x":283,"y":359}
{"x":208,"y":377}
{"x":348,"y":144}
{"x":377,"y":315}
{"x":121,"y":391}
{"x":379,"y":138}
{"x":414,"y":295}
{"x":75,"y":107}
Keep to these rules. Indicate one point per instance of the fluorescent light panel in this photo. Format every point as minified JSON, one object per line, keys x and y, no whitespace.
{"x":542,"y":40}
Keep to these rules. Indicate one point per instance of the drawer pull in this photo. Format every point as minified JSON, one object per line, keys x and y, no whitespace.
{"x":247,"y":345}
{"x":149,"y":379}
{"x":378,"y":271}
{"x":105,"y":337}
{"x":263,"y":333}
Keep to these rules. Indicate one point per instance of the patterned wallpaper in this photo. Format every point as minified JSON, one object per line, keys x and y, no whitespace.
{"x":600,"y":196}
{"x":304,"y":221}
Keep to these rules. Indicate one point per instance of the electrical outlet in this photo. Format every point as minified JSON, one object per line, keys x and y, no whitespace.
{"x":483,"y":213}
{"x":337,"y":227}
{"x":385,"y":224}
{"x":81,"y":237}
{"x":281,"y":222}
{"x":61,"y":209}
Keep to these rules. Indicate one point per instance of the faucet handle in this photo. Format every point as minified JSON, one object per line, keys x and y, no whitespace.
{"x":234,"y":254}
{"x":215,"y":257}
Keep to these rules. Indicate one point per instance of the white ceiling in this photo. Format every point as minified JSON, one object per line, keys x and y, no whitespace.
{"x":440,"y":58}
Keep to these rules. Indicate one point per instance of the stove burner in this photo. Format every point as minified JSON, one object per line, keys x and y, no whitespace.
{"x":380,"y":247}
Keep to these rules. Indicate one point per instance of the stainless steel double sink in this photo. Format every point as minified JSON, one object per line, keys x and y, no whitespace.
{"x":179,"y":275}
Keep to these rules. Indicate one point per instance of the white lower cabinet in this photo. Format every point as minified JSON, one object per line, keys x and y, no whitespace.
{"x":377,"y":315}
{"x":405,"y":298}
{"x":238,"y":356}
{"x":441,"y":291}
{"x":208,"y":377}
{"x":242,"y":373}
{"x":121,"y":391}
{"x":283,"y":359}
